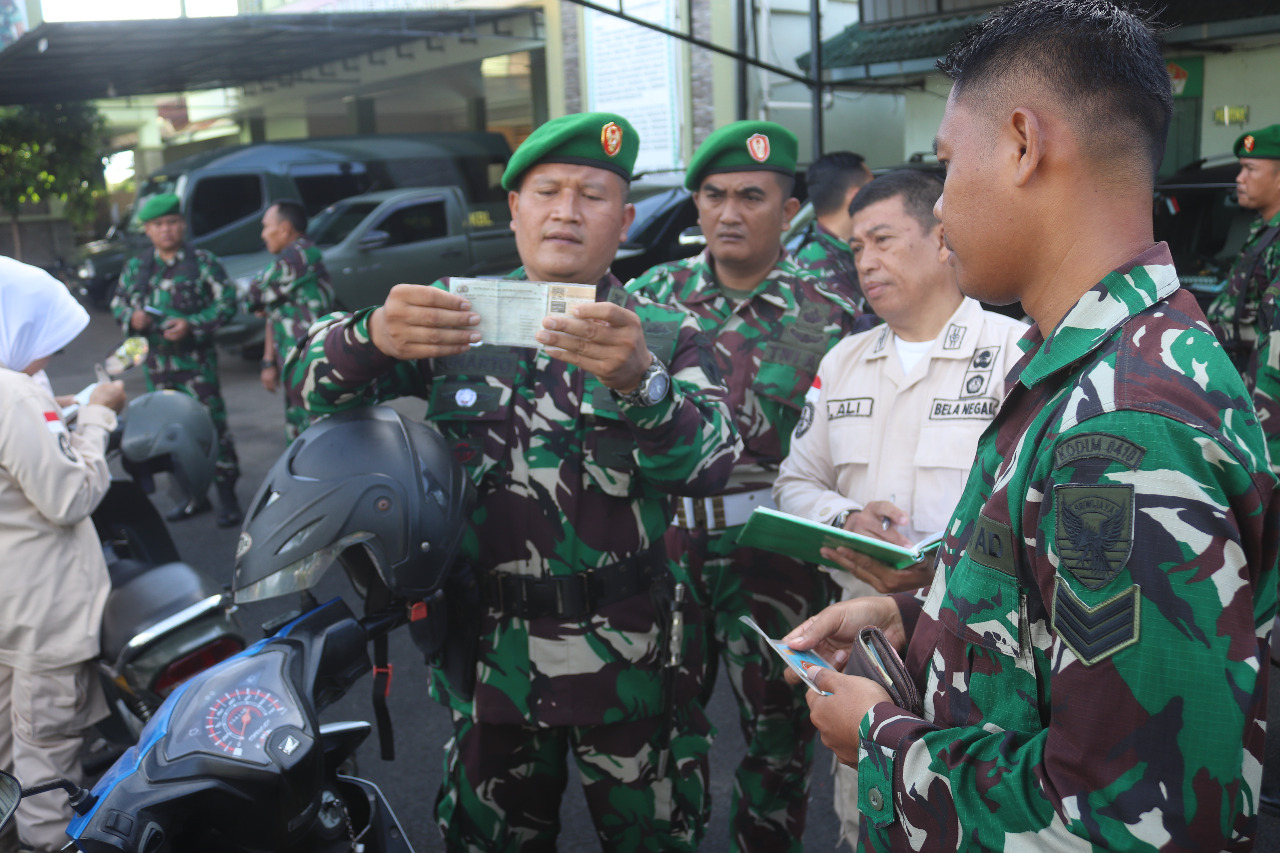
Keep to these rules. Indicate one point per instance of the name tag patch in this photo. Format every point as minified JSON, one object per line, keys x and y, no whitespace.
{"x":991,"y":545}
{"x":852,"y":407}
{"x":981,"y":408}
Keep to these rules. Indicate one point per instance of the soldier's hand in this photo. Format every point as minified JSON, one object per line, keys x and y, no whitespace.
{"x":418,"y":321}
{"x":270,"y":377}
{"x":109,"y":394}
{"x":881,"y":576}
{"x":838,"y":716}
{"x":833,"y":630}
{"x":176,"y":328}
{"x":603,"y":338}
{"x":140,"y":321}
{"x":880,"y":520}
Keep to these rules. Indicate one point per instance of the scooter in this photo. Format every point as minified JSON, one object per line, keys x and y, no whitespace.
{"x":236,"y":759}
{"x":164,"y":621}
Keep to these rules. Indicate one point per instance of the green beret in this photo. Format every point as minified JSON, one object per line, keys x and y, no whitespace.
{"x":159,"y":205}
{"x":744,"y":146}
{"x":1264,"y":144}
{"x":604,"y":140}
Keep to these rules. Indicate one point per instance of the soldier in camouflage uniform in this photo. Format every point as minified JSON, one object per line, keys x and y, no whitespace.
{"x":771,"y":322}
{"x":575,"y":449}
{"x":177,"y":296}
{"x":1246,"y":315}
{"x":1092,"y":652}
{"x":833,"y":180}
{"x":292,"y":293}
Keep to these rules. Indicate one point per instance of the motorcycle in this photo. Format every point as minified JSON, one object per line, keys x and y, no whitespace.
{"x":235,"y":758}
{"x":163,"y":621}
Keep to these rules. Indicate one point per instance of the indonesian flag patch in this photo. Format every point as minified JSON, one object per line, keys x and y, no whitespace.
{"x":53,"y":421}
{"x":815,"y":390}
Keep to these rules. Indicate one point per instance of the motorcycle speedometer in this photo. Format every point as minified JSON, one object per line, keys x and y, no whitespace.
{"x":233,"y":712}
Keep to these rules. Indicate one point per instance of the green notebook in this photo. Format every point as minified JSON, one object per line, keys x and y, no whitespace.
{"x":798,"y":537}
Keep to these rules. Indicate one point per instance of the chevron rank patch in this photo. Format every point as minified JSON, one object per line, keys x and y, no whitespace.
{"x":1096,"y":633}
{"x":1094,"y":531}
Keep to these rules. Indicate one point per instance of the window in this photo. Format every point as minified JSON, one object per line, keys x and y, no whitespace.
{"x":415,"y":223}
{"x":321,"y":185}
{"x":219,"y":201}
{"x":333,"y":224}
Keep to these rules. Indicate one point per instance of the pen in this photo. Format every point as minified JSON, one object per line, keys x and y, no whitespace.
{"x":884,"y":519}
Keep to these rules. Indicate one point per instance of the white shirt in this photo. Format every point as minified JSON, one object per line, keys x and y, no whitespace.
{"x":872,"y":431}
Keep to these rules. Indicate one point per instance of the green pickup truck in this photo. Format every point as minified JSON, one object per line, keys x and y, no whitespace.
{"x":374,"y":241}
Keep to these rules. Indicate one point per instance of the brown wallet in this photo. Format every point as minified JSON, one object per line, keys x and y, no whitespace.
{"x":871,"y":656}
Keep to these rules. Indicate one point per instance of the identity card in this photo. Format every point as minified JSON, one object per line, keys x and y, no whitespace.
{"x":511,"y":310}
{"x":800,"y":662}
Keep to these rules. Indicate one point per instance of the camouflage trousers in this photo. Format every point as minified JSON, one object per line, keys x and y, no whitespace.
{"x":296,"y":419}
{"x":197,"y":374}
{"x":503,"y":784}
{"x":771,"y":785}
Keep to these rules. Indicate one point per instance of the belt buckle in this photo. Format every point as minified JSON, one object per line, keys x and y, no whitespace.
{"x":586,"y":604}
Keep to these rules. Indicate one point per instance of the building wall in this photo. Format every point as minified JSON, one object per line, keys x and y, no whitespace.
{"x":1243,"y":78}
{"x":924,"y":113}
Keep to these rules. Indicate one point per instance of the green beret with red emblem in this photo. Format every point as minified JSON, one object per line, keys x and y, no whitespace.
{"x":159,"y":205}
{"x":744,"y":146}
{"x":1263,"y":144}
{"x":604,"y":140}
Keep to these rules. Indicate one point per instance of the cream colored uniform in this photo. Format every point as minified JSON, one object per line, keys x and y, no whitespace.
{"x":868,"y":432}
{"x":53,"y":586}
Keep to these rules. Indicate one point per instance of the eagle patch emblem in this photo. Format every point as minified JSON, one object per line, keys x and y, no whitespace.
{"x":1094,"y":531}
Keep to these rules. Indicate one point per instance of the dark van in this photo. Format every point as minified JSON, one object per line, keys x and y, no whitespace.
{"x":225,"y":192}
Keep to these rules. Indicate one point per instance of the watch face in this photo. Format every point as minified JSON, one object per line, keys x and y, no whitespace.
{"x":659,"y":384}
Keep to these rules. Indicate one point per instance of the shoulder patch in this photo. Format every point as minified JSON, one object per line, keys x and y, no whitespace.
{"x":1096,"y":633}
{"x":1094,"y":531}
{"x":806,"y":420}
{"x":1098,"y":445}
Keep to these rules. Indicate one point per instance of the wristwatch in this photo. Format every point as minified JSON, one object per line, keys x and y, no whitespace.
{"x":654,"y":386}
{"x":840,"y":519}
{"x":267,"y":362}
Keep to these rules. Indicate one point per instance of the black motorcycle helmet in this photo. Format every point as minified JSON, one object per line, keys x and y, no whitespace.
{"x":378,"y":492}
{"x":170,"y":431}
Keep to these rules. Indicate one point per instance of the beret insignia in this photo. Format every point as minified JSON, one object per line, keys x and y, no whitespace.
{"x":1248,"y":143}
{"x":611,"y":139}
{"x":758,"y":147}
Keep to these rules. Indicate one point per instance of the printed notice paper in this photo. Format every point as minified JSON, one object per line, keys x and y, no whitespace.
{"x":511,"y":310}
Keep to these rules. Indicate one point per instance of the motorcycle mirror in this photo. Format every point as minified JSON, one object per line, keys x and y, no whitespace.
{"x":125,"y":357}
{"x":10,"y":794}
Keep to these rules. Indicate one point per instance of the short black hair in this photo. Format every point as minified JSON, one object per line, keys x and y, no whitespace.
{"x":1101,"y":61}
{"x":293,"y":212}
{"x":830,"y":178}
{"x":919,"y":192}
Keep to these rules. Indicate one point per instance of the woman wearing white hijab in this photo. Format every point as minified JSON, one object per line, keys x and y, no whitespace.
{"x":53,"y":579}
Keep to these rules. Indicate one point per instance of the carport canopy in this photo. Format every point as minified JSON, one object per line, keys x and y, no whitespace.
{"x":89,"y":60}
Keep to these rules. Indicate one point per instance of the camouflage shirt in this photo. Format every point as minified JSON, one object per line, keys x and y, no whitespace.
{"x":1241,"y":315}
{"x":1092,"y":653}
{"x":570,"y":479}
{"x":205,"y":299}
{"x":294,"y":291}
{"x":767,"y":346}
{"x":831,"y":259}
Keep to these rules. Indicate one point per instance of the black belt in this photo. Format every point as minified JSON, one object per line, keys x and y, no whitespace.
{"x":576,"y":596}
